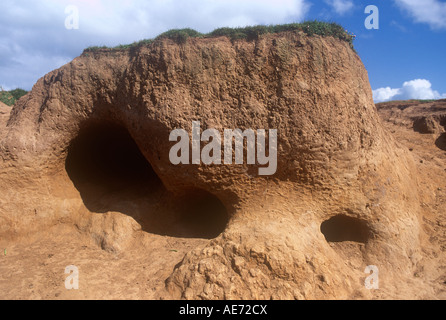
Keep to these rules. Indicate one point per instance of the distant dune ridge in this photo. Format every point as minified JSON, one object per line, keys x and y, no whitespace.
{"x":85,"y":163}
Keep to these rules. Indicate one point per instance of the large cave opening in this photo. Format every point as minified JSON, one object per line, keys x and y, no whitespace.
{"x":111,"y":174}
{"x":105,"y":158}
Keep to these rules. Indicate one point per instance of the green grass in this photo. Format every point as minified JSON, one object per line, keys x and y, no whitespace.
{"x":120,"y":47}
{"x":180,"y":36}
{"x":10,"y":97}
{"x":310,"y":28}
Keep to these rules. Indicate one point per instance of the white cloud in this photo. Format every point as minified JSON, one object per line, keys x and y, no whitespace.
{"x":398,"y":26}
{"x":340,"y":6}
{"x":432,"y":12}
{"x":414,"y":89}
{"x":34,"y":41}
{"x":419,"y":89}
{"x":384,"y":94}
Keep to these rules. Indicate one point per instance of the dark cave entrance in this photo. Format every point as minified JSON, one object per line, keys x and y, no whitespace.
{"x":105,"y":157}
{"x":111,"y":174}
{"x":342,"y":228}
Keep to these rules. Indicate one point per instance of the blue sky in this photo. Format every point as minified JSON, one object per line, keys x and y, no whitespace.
{"x":404,"y":57}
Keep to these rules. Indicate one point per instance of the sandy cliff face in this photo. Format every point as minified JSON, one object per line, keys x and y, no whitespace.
{"x":5,"y":111}
{"x":89,"y":147}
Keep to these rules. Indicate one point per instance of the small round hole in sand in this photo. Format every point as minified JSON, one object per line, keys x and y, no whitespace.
{"x":344,"y":228}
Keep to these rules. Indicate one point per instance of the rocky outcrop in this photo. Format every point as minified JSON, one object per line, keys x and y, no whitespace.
{"x":427,"y":125}
{"x":427,"y":117}
{"x":93,"y":137}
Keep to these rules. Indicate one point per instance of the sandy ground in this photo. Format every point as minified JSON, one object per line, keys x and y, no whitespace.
{"x":34,"y":267}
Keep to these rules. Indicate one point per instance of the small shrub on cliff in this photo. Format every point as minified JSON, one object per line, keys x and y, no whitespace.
{"x":180,"y":35}
{"x":95,"y":48}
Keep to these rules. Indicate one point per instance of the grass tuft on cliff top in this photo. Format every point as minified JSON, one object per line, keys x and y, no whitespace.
{"x":180,"y":36}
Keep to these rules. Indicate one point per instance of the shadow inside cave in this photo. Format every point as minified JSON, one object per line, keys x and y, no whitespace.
{"x":342,"y":228}
{"x":441,"y":141}
{"x":111,"y":174}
